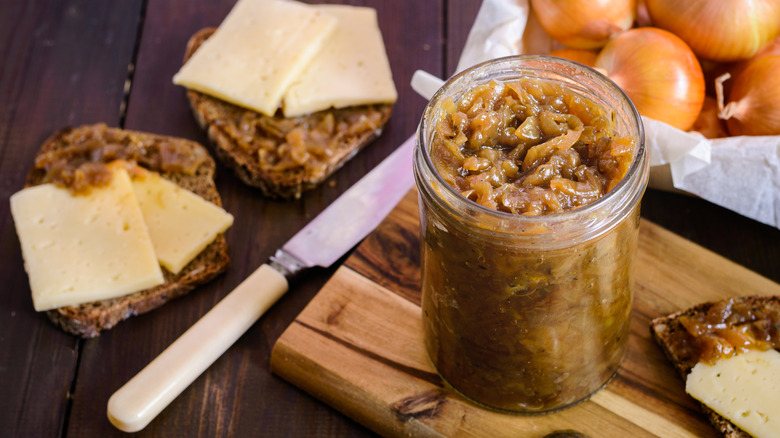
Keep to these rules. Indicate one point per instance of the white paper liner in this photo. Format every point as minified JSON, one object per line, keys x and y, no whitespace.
{"x":738,"y":173}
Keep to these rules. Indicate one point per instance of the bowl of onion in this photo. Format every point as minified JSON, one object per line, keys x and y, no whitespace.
{"x":703,"y":75}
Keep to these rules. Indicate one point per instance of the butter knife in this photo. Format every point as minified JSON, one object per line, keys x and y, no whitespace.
{"x":320,"y":243}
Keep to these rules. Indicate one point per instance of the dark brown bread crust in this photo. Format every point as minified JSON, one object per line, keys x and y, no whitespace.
{"x":215,"y":116}
{"x":87,"y":320}
{"x":670,"y":334}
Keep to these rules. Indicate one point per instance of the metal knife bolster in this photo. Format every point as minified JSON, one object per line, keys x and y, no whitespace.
{"x":329,"y":236}
{"x":286,"y":263}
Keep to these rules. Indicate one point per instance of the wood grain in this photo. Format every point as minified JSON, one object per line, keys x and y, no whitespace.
{"x":63,"y":64}
{"x":460,"y":18}
{"x":358,"y":345}
{"x":238,"y":396}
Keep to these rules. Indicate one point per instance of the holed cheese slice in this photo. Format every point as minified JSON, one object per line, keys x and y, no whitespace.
{"x":745,"y":388}
{"x":256,"y":53}
{"x":351,"y":69}
{"x":84,"y":248}
{"x":181,"y":224}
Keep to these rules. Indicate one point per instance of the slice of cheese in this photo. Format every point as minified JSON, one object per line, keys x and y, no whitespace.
{"x":351,"y":69}
{"x":257,"y":51}
{"x":84,"y":248}
{"x":744,"y":388}
{"x":181,"y":224}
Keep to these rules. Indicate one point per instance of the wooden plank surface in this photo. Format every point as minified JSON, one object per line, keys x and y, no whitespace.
{"x":358,"y":345}
{"x":237,"y":396}
{"x":63,"y":64}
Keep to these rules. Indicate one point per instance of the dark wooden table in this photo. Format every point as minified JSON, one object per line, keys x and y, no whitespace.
{"x":72,"y":62}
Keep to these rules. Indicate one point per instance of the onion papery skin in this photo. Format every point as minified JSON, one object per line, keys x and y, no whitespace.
{"x":584,"y":24}
{"x":719,"y":30}
{"x":659,"y":72}
{"x":770,"y":49}
{"x":754,"y":101}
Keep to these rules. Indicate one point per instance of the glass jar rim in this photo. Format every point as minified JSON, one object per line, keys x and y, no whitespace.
{"x":633,"y":182}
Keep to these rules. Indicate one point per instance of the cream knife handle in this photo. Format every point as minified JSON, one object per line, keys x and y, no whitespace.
{"x":139,"y":401}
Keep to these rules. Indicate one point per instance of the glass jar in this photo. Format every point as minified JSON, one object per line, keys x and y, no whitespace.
{"x":524,"y":313}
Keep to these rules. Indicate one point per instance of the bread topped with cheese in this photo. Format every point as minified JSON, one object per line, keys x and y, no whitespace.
{"x":699,"y":352}
{"x":285,"y":120}
{"x":89,"y":170}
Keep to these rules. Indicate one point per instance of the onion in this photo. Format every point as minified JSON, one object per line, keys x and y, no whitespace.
{"x":769,"y":49}
{"x":584,"y":24}
{"x":736,"y":68}
{"x":658,"y":72}
{"x":723,"y":30}
{"x":708,"y":123}
{"x":585,"y":57}
{"x":754,"y":101}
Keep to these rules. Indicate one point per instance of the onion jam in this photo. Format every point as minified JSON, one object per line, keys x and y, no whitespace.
{"x":78,"y":163}
{"x":529,"y":147}
{"x":530,"y":172}
{"x":732,"y":326}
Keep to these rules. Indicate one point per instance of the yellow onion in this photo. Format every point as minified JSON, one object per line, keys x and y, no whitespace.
{"x":722,"y":30}
{"x":736,"y":68}
{"x":770,"y":49}
{"x":584,"y":24}
{"x":658,"y":72}
{"x":708,"y":123}
{"x":584,"y":57}
{"x":754,"y":101}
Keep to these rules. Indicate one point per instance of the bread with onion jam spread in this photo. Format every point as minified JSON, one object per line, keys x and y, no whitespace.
{"x":283,"y":157}
{"x":66,"y":149}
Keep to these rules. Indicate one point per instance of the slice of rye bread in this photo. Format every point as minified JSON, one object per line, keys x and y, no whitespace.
{"x":238,"y":149}
{"x":87,"y":320}
{"x":670,"y":334}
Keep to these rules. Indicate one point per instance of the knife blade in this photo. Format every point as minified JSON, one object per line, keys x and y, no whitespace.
{"x":355,"y":213}
{"x":320,"y":243}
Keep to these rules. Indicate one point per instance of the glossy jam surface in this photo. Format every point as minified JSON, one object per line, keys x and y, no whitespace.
{"x":79,"y":162}
{"x":306,"y":142}
{"x":529,"y":147}
{"x":731,"y":326}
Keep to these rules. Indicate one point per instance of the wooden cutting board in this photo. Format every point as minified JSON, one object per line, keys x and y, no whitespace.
{"x":358,"y":345}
